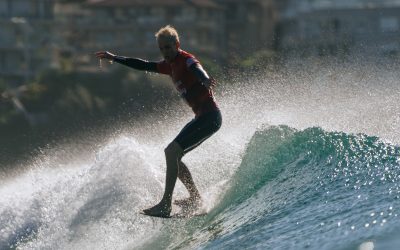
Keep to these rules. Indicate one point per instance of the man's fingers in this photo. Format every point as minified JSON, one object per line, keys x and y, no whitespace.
{"x":102,"y":54}
{"x":212,"y":82}
{"x":209,"y":83}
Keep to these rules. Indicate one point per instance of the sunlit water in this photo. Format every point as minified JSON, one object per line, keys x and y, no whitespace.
{"x":327,"y":179}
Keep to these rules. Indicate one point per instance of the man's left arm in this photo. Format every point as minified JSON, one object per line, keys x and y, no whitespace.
{"x":202,"y":75}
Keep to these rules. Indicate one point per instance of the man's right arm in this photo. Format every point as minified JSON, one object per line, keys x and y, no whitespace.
{"x":136,"y":63}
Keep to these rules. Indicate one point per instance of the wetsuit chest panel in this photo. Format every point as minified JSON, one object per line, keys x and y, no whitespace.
{"x":181,"y":75}
{"x":198,"y":97}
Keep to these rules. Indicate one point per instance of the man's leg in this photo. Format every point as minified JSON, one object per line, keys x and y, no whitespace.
{"x":173,"y":155}
{"x":191,"y":136}
{"x":186,"y":178}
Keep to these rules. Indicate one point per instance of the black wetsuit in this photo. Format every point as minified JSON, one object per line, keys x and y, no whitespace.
{"x":187,"y":75}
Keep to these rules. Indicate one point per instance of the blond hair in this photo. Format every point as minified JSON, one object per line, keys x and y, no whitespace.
{"x":168,"y":32}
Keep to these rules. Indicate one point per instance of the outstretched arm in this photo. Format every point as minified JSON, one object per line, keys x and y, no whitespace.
{"x":135,"y":63}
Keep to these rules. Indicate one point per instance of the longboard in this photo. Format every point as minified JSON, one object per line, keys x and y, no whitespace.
{"x":165,"y":217}
{"x":178,"y":215}
{"x":186,"y":211}
{"x":186,"y":216}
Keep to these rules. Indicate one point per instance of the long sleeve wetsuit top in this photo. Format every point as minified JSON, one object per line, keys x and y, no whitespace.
{"x":186,"y":73}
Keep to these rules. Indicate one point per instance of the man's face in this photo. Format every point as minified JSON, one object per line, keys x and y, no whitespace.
{"x":168,"y":48}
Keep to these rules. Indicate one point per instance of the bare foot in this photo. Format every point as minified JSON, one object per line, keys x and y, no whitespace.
{"x":159,"y":210}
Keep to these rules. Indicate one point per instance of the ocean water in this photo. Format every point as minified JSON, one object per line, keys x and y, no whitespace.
{"x":307,"y":158}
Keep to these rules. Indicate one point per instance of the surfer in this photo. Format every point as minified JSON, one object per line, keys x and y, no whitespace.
{"x":195,"y":87}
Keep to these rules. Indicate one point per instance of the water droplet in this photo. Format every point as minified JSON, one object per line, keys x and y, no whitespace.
{"x":366,"y":245}
{"x":372,"y":214}
{"x":366,"y":224}
{"x":353,"y":227}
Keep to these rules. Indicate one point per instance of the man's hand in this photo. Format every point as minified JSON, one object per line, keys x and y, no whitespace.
{"x":105,"y":55}
{"x":209,"y":83}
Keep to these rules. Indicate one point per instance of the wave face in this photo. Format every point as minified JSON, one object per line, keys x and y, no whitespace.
{"x":309,"y":189}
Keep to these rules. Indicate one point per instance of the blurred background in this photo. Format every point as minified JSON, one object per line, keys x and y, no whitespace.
{"x":52,"y":86}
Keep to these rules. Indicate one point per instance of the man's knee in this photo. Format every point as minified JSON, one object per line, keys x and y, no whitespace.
{"x":174,"y":150}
